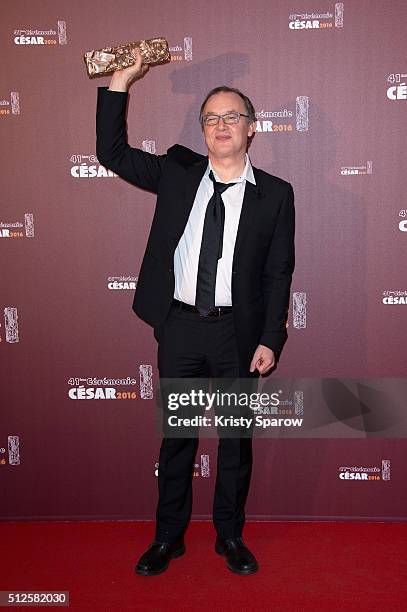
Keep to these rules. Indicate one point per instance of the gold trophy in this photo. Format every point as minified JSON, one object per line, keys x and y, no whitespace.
{"x":109,"y":59}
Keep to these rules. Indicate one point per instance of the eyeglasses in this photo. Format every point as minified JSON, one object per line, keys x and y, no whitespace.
{"x":228,"y":118}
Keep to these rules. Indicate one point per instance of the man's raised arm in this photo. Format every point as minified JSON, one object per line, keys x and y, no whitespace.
{"x":138,"y":167}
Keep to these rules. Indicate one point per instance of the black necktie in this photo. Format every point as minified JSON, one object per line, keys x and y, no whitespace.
{"x":211,"y":248}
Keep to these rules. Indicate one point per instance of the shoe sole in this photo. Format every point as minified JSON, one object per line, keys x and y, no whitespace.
{"x":175,"y":554}
{"x":221,"y":552}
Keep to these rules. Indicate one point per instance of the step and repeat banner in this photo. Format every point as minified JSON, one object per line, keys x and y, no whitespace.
{"x":328,"y":79}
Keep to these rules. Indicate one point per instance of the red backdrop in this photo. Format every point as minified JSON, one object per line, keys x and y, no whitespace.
{"x":328,"y":82}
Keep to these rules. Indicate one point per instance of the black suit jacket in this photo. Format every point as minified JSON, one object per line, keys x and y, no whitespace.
{"x":263,"y":260}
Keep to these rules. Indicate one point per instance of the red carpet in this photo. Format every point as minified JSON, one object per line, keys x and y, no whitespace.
{"x":303,"y":566}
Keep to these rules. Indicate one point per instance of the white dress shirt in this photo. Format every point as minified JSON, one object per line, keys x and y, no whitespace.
{"x":186,"y":256}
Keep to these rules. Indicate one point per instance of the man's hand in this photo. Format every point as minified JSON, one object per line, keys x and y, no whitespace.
{"x":263,"y":359}
{"x":122,"y":79}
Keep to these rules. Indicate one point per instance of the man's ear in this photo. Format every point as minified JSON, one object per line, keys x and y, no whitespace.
{"x":251,"y":133}
{"x":252,"y":129}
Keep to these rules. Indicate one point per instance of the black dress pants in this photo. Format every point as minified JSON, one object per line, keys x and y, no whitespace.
{"x":190,"y":346}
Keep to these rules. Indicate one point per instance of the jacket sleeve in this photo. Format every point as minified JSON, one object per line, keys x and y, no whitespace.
{"x":277,"y":276}
{"x":112,"y":149}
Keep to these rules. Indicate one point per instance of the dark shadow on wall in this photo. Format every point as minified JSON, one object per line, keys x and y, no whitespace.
{"x":331,"y":245}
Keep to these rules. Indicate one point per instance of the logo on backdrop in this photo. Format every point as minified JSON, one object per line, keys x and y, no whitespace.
{"x":117,"y":283}
{"x":9,"y":333}
{"x":182,"y":51}
{"x":317,"y":21}
{"x":274,"y":403}
{"x":18,"y":229}
{"x":10,"y":454}
{"x":113,"y":388}
{"x":41,"y":37}
{"x":149,"y":146}
{"x":398,"y":88}
{"x":351,"y":170}
{"x":394,"y":297}
{"x":201,"y":469}
{"x":376,"y":473}
{"x":285,"y":120}
{"x":11,"y":105}
{"x":403,"y":223}
{"x":88,"y":166}
{"x":299,"y":310}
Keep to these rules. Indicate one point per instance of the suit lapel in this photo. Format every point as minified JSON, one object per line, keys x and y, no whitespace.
{"x":252,"y":195}
{"x":194,"y":176}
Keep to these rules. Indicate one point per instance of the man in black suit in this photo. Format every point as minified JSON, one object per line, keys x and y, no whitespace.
{"x":214,"y":284}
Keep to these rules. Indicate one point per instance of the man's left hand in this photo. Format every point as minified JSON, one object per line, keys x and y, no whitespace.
{"x":263,"y":359}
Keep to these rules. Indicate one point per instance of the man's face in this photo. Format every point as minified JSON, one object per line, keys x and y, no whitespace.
{"x":223,"y":140}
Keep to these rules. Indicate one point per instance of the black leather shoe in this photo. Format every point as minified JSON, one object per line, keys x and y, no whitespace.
{"x":239,"y":559}
{"x":157,"y":558}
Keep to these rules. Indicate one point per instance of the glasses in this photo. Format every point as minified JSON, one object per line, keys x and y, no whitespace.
{"x":228,"y":118}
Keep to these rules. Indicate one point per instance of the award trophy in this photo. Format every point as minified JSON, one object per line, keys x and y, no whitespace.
{"x":109,"y":59}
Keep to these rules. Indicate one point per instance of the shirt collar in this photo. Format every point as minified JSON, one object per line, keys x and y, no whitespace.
{"x":247,"y":174}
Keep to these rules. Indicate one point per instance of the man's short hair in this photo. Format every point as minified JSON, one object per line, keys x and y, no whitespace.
{"x":225,"y":89}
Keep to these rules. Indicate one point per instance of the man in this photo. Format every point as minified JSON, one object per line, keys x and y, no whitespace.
{"x":214,"y":283}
